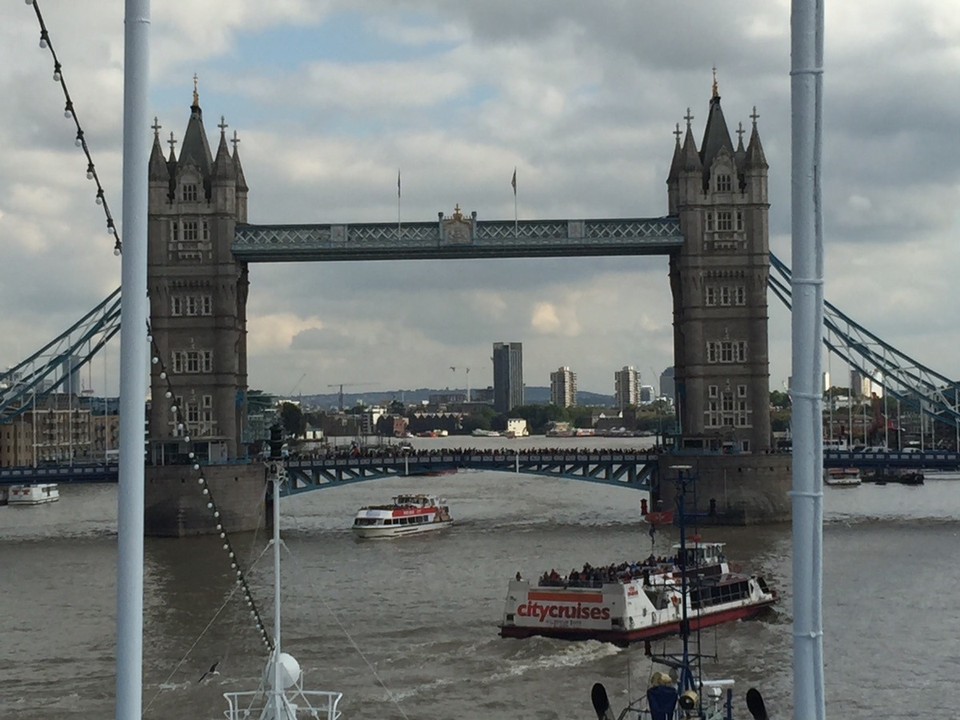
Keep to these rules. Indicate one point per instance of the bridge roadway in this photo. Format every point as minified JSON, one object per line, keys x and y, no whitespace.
{"x":621,"y":469}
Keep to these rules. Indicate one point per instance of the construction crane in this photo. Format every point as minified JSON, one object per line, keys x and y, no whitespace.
{"x":340,"y":387}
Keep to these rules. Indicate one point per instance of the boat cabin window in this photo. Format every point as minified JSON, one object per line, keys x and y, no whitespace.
{"x":709,"y":595}
{"x":700,"y":554}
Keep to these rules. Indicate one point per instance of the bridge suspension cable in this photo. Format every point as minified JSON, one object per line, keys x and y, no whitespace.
{"x":902,"y":376}
{"x":49,"y":368}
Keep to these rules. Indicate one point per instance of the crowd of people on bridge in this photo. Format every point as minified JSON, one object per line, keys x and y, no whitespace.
{"x":401,"y":450}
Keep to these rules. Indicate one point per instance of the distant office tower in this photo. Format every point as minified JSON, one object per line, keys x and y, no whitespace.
{"x":507,"y":376}
{"x":863,"y":385}
{"x":646,"y":394}
{"x":626,"y":387}
{"x":666,"y":384}
{"x":563,"y":387}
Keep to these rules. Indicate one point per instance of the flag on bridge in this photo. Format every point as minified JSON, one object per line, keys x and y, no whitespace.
{"x":513,"y":182}
{"x":398,"y":183}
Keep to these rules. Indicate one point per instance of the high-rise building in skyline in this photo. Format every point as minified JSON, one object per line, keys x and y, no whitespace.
{"x":626,"y":387}
{"x":666,"y":383}
{"x":507,"y":376}
{"x":563,"y":387}
{"x":646,"y":394}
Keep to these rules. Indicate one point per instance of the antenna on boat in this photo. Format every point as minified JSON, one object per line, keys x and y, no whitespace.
{"x":283,"y":670}
{"x":686,"y":677}
{"x":281,"y":690}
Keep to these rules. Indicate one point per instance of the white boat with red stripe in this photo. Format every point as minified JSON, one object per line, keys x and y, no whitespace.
{"x":408,"y":515}
{"x":635,"y":601}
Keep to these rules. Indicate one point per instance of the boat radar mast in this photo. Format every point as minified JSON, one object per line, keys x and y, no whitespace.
{"x":283,"y":697}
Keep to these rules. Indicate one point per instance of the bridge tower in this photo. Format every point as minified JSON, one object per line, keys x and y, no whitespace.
{"x":198,"y":298}
{"x":719,"y":285}
{"x":198,"y":295}
{"x":721,"y":362}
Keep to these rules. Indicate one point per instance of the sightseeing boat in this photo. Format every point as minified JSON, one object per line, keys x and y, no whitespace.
{"x":638,"y":601}
{"x":35,"y":494}
{"x":680,"y":690}
{"x":842,"y":477}
{"x":408,"y":515}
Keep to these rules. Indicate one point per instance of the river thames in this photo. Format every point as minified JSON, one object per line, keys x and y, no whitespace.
{"x":407,"y":628}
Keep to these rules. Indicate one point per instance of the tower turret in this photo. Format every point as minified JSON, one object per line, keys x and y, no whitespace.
{"x":198,"y":297}
{"x":718,"y":280}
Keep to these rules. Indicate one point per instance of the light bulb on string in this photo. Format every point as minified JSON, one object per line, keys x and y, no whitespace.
{"x":56,"y":72}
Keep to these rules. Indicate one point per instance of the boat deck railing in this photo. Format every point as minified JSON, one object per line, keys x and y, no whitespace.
{"x":312,"y":704}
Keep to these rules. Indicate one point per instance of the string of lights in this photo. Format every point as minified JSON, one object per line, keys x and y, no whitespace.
{"x":81,"y":142}
{"x":70,"y":112}
{"x":181,"y":428}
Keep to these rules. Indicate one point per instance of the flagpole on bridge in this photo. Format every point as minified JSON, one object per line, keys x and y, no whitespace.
{"x":399,"y":231}
{"x":514,"y":183}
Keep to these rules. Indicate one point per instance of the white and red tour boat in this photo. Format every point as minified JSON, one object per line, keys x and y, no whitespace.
{"x":635,"y":601}
{"x":408,"y":515}
{"x":842,"y":477}
{"x":35,"y":494}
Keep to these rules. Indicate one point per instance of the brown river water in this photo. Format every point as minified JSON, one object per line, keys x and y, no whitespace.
{"x":407,"y":628}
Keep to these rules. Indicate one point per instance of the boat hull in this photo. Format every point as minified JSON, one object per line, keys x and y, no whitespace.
{"x":698,"y":621}
{"x":842,"y":477}
{"x":376,"y":532}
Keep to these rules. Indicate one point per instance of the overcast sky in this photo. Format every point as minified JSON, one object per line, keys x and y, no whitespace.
{"x":330,"y":98}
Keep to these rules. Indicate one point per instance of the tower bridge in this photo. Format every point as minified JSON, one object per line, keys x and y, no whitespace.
{"x":715,"y":235}
{"x":715,"y":238}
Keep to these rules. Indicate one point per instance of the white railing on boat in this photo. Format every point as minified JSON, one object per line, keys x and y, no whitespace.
{"x":315,"y":705}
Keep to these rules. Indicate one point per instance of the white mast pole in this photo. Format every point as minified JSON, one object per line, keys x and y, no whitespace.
{"x":277,"y":684}
{"x":807,"y":338}
{"x":133,"y":361}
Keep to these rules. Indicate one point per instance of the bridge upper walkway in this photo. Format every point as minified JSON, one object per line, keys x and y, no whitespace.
{"x":626,"y":469}
{"x":457,"y":237}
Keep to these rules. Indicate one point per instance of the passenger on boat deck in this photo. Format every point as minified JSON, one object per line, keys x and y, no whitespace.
{"x":518,"y":575}
{"x":590,"y":576}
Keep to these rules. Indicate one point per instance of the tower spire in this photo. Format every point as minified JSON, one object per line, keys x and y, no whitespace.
{"x":196,"y":95}
{"x":716,"y":88}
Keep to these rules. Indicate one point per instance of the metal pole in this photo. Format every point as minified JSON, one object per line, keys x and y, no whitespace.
{"x":133,"y":361}
{"x":850,"y":410}
{"x":806,"y":83}
{"x":277,"y":683}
